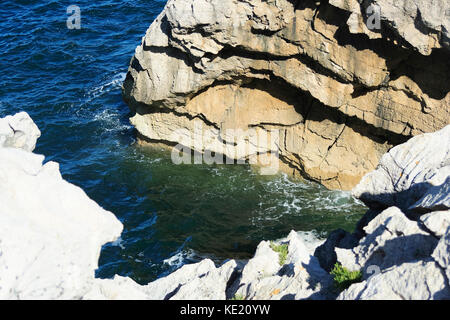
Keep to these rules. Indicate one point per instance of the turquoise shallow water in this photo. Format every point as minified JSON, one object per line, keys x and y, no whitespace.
{"x":69,"y":82}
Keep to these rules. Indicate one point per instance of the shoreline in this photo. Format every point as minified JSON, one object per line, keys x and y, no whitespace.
{"x":415,"y":246}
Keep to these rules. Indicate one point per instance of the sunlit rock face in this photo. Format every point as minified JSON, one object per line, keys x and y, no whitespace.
{"x":340,"y":81}
{"x":51,"y":232}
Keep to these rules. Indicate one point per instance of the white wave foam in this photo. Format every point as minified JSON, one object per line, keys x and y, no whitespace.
{"x":118,"y":243}
{"x":295,"y":196}
{"x":114,"y":83}
{"x":110,"y":120}
{"x":180,"y":258}
{"x":311,"y":239}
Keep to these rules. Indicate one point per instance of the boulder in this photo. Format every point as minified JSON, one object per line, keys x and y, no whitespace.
{"x":199,"y":281}
{"x":418,"y":280}
{"x":265,"y":263}
{"x":411,"y":175}
{"x":300,"y":276}
{"x":19,"y":131}
{"x":392,"y":239}
{"x":437,"y":222}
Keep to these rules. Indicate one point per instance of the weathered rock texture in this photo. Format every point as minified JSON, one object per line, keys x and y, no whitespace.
{"x":405,"y":250}
{"x":261,"y":277}
{"x":19,"y":131}
{"x":339,"y":94}
{"x":414,"y":176}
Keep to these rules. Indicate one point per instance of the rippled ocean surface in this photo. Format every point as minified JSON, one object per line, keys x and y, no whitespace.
{"x":69,"y":82}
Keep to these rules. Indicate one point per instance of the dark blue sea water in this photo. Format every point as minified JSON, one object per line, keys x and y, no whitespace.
{"x":69,"y":82}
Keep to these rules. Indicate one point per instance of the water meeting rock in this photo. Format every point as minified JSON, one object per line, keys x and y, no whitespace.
{"x":340,"y":81}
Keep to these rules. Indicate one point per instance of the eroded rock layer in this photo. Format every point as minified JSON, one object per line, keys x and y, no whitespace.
{"x":341,"y":81}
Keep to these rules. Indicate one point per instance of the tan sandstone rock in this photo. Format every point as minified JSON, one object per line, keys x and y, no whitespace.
{"x":338,"y":93}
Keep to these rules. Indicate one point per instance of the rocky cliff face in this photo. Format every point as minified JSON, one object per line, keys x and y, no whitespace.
{"x":341,"y":81}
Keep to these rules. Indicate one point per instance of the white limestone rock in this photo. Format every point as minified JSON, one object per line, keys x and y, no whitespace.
{"x":264,"y":263}
{"x":301,"y":256}
{"x":19,"y":131}
{"x":294,"y":287}
{"x":51,"y":233}
{"x":211,"y":286}
{"x":419,"y":280}
{"x":409,"y":172}
{"x":118,"y":288}
{"x":300,"y":277}
{"x":437,"y":222}
{"x":392,"y":239}
{"x":400,"y":260}
{"x":199,"y":281}
{"x":436,"y":198}
{"x":442,"y":254}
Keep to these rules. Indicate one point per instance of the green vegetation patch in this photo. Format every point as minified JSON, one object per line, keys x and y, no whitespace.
{"x":238,"y":297}
{"x":343,"y":278}
{"x":282,"y":250}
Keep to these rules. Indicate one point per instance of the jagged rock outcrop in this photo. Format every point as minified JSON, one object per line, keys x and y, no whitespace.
{"x":392,"y":239}
{"x":437,"y":222}
{"x":414,"y":176}
{"x":338,"y":93}
{"x":199,"y":281}
{"x":299,"y":277}
{"x":405,"y":251}
{"x":412,"y":272}
{"x":261,"y":277}
{"x":51,"y":233}
{"x":19,"y":131}
{"x":421,"y":280}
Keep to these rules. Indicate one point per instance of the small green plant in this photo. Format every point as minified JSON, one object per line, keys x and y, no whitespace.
{"x":238,"y":297}
{"x":343,"y":278}
{"x":282,"y":250}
